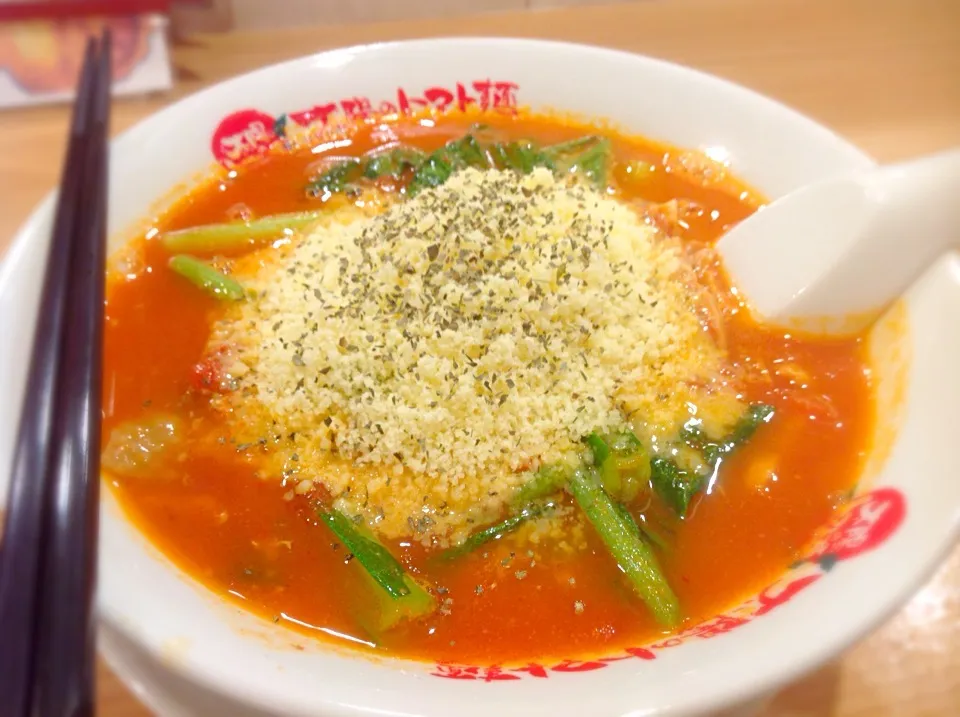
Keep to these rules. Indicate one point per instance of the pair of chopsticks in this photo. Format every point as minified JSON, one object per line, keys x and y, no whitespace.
{"x":49,"y":549}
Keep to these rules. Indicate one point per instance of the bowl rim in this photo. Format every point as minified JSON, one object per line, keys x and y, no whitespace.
{"x":772,"y":674}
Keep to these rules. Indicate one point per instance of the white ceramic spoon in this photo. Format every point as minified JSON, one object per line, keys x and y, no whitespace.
{"x":846,"y":246}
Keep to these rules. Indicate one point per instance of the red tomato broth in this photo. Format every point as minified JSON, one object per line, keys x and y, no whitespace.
{"x":233,"y":529}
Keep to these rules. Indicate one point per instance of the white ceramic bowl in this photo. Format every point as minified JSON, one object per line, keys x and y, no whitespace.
{"x":186,"y":652}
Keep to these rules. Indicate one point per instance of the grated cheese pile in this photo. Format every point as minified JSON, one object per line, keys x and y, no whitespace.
{"x":444,"y":349}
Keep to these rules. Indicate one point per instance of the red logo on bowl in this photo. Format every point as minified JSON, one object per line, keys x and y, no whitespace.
{"x":242,"y":135}
{"x":248,"y":133}
{"x":868,"y":522}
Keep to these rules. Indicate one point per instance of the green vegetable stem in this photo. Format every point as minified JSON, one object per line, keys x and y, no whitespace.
{"x":633,"y":556}
{"x":397,"y":595}
{"x":207,"y":278}
{"x":232,"y":237}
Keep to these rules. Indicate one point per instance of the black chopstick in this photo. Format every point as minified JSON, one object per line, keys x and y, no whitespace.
{"x":20,"y":561}
{"x":49,"y":542}
{"x":66,"y":656}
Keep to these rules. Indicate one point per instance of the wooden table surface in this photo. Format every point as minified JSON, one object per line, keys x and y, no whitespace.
{"x":883,"y":73}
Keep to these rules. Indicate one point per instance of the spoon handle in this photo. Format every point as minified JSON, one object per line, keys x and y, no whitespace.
{"x":913,"y":217}
{"x":846,"y":247}
{"x":917,"y":211}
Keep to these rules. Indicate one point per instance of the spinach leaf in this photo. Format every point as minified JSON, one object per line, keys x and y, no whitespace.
{"x":676,"y":487}
{"x":392,"y":163}
{"x":466,"y":152}
{"x":694,"y":436}
{"x":498,"y":530}
{"x":622,"y":462}
{"x":339,"y":178}
{"x":588,"y":156}
{"x":432,"y":173}
{"x":548,"y":480}
{"x":599,"y":448}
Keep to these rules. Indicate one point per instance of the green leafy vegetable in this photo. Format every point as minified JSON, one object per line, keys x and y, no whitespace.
{"x":676,"y":487}
{"x":588,"y":156}
{"x":498,"y":530}
{"x":599,"y":448}
{"x":522,"y":157}
{"x":693,"y":435}
{"x":620,"y":535}
{"x":341,"y":177}
{"x":234,"y":236}
{"x":378,"y":612}
{"x":498,"y":155}
{"x":394,"y":595}
{"x":207,"y":278}
{"x":631,"y":473}
{"x":437,"y":168}
{"x":392,"y":163}
{"x":594,"y":163}
{"x":625,"y":443}
{"x":376,"y":559}
{"x":528,"y":502}
{"x":432,"y":173}
{"x":548,"y":480}
{"x":623,"y":463}
{"x":382,"y":165}
{"x":757,"y":414}
{"x":466,"y":152}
